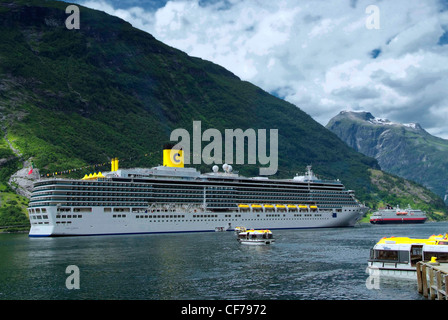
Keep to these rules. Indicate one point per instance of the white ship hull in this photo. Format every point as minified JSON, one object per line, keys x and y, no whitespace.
{"x":392,"y":270}
{"x":99,"y":222}
{"x":257,"y":243}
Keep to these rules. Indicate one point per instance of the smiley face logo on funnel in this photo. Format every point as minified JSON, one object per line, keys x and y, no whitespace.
{"x":176,"y":158}
{"x":173,"y":158}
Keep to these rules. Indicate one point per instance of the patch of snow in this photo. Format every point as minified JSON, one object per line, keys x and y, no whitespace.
{"x":410,"y":125}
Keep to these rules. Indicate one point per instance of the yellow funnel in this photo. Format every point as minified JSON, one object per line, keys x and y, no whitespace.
{"x":114,"y":164}
{"x":173,"y":158}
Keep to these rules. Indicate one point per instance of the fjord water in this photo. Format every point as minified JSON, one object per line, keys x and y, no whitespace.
{"x":318,"y":264}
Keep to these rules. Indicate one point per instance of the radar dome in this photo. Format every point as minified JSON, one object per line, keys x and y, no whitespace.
{"x":215,"y":168}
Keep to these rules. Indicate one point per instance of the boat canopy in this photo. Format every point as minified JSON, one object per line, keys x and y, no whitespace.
{"x":252,"y":231}
{"x":405,"y":243}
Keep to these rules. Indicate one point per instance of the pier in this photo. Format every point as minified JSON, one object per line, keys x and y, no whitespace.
{"x":432,"y":279}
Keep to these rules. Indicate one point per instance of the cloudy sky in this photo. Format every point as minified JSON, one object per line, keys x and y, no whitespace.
{"x":323,"y":56}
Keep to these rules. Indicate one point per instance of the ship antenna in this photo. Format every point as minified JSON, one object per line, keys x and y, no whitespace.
{"x":309,"y":171}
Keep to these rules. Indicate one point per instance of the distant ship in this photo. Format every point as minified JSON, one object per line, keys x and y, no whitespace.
{"x":390,"y":215}
{"x":171,"y":198}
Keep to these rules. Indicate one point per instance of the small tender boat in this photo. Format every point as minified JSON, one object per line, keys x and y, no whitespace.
{"x":256,"y":237}
{"x":398,"y":256}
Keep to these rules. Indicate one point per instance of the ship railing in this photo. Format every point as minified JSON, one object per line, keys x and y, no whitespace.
{"x":322,"y":181}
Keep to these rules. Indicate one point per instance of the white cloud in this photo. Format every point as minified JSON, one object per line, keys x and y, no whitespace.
{"x":137,"y":16}
{"x":317,"y":54}
{"x":324,"y":27}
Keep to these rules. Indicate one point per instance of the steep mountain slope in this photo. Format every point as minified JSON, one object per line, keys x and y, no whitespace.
{"x":71,"y":98}
{"x":405,"y":150}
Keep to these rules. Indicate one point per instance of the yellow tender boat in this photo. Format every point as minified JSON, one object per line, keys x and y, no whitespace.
{"x":398,"y":256}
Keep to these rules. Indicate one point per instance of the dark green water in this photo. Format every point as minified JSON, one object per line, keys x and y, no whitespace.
{"x":322,"y":264}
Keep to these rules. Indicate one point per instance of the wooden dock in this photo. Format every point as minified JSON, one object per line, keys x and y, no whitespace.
{"x":432,"y":279}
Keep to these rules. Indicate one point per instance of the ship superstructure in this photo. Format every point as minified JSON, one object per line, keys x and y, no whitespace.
{"x":177,"y":199}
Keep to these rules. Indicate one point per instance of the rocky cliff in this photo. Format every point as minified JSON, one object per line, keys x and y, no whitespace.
{"x":406,"y":150}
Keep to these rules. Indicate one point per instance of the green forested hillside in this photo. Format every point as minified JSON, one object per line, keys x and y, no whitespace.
{"x":82,"y":96}
{"x":12,"y":205}
{"x":69,"y":98}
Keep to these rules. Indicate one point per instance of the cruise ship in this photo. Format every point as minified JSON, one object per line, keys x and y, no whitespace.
{"x":172,"y":198}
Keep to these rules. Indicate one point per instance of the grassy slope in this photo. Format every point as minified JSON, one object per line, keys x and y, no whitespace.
{"x":12,"y":206}
{"x":394,"y":190}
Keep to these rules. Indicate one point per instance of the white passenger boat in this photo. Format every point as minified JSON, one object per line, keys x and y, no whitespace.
{"x":256,"y":237}
{"x":398,"y":256}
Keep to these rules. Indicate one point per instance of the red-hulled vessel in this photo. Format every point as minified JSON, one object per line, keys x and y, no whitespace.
{"x":396,"y":215}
